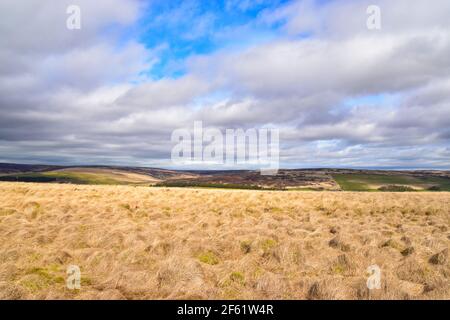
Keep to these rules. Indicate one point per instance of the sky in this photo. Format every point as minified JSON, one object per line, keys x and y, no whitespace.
{"x":113,"y":91}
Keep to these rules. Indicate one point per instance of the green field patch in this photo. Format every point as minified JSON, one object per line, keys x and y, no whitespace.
{"x":85,"y":178}
{"x":61,"y":177}
{"x":380,"y":182}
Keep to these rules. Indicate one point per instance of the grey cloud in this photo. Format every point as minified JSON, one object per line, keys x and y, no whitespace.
{"x":67,"y":97}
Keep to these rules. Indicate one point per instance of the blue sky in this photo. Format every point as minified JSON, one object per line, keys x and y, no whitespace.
{"x":185,"y":28}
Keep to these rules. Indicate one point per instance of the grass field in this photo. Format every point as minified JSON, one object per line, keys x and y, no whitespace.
{"x":373,"y":182}
{"x":83,"y":176}
{"x":158,"y":243}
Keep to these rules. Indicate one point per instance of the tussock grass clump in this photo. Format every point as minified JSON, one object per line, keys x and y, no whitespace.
{"x":237,"y":277}
{"x":246,"y":246}
{"x":208,"y":257}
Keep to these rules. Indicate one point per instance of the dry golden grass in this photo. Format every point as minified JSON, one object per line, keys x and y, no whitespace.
{"x":149,"y":243}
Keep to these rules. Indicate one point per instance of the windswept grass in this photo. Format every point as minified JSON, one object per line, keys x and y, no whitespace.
{"x":159,"y":243}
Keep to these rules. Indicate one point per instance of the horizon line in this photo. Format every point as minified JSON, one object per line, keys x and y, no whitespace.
{"x":370,"y":168}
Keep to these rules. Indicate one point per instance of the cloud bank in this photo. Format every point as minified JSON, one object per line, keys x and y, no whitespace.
{"x":341,"y":95}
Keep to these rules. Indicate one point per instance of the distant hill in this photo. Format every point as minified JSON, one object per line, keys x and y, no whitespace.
{"x":292,"y":179}
{"x":7,"y":168}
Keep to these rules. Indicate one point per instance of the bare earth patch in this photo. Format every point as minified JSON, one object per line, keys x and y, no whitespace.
{"x":157,"y":243}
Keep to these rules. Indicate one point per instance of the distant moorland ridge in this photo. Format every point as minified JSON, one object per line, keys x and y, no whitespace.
{"x":285,"y":179}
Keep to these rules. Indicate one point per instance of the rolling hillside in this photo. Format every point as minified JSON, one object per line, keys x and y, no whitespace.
{"x":289,"y":180}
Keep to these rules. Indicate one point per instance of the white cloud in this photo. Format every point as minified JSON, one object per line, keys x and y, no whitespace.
{"x":69,"y":95}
